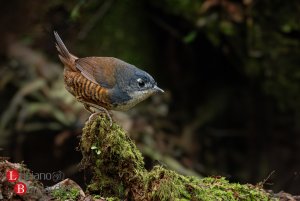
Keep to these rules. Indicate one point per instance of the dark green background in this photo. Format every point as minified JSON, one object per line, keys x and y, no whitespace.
{"x":231,"y":69}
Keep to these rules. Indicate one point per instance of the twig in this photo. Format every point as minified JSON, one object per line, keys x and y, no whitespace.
{"x":262,"y":183}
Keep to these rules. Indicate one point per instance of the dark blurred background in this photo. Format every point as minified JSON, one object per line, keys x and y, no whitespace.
{"x":230,"y":68}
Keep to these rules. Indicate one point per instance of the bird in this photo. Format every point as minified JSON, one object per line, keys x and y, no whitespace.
{"x":104,"y":83}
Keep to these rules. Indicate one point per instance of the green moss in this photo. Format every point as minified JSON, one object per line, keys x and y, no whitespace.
{"x":64,"y":193}
{"x":117,"y":165}
{"x":168,"y":185}
{"x":112,"y":199}
{"x":119,"y":172}
{"x":107,"y":198}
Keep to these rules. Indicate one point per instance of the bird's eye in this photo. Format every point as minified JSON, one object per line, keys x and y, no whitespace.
{"x":141,"y":82}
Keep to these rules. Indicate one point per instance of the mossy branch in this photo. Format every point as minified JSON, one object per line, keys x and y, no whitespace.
{"x":118,"y":171}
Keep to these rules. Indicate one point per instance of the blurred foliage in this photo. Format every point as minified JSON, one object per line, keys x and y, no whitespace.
{"x":117,"y":28}
{"x":264,"y":45}
{"x":36,"y":102}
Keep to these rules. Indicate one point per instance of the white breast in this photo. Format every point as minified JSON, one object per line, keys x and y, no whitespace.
{"x":136,"y":97}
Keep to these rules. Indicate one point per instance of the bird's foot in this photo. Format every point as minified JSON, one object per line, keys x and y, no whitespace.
{"x":88,"y":107}
{"x":95,"y":114}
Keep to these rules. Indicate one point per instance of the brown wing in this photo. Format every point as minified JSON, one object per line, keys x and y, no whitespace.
{"x":99,"y":70}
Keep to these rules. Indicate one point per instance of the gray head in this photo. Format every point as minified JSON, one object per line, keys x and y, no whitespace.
{"x":133,"y":85}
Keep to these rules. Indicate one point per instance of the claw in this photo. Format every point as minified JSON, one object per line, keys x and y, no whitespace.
{"x":94,"y":113}
{"x":88,"y":107}
{"x":92,"y":116}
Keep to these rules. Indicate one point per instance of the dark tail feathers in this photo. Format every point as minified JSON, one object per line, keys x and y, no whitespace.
{"x":64,"y":55}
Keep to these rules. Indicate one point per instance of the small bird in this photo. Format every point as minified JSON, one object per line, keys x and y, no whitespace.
{"x":104,"y":83}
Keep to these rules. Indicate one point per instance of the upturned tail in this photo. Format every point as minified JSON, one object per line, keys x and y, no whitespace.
{"x":64,"y":55}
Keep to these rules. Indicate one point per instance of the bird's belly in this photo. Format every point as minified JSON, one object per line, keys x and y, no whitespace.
{"x":84,"y":90}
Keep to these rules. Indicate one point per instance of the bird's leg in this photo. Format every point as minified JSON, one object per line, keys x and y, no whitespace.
{"x":102,"y":109}
{"x":88,"y":106}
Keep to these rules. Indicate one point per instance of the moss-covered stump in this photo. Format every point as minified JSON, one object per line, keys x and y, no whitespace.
{"x":116,"y":163}
{"x":119,"y":172}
